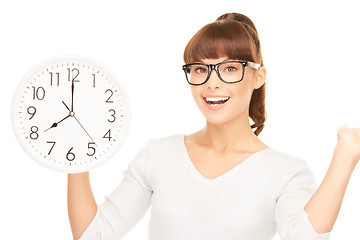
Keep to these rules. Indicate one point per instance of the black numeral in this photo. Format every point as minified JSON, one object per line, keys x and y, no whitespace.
{"x":111,"y":93}
{"x":38,"y":93}
{"x":51,"y":78}
{"x":31,"y":110}
{"x":73,"y":74}
{"x":70,"y":155}
{"x":34,"y":135}
{"x":93,"y":80}
{"x":53,"y":144}
{"x":92,"y":149}
{"x":113,"y":116}
{"x":108,"y":135}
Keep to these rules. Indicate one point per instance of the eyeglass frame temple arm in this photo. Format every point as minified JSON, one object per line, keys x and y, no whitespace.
{"x":253,"y":65}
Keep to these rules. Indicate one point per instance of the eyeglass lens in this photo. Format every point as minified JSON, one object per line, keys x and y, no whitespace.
{"x":229,"y":72}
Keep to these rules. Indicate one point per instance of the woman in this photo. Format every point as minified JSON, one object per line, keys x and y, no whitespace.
{"x":221,"y":182}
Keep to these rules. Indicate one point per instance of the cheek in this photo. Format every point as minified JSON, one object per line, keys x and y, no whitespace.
{"x":244,"y":93}
{"x":196,"y":93}
{"x":245,"y":89}
{"x":241,"y":99}
{"x":242,"y":89}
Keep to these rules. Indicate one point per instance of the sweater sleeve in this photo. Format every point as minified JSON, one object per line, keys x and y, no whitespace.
{"x":291,"y":218}
{"x":125,"y":206}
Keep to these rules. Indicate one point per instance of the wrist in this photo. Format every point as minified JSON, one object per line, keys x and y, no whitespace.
{"x":344,"y":156}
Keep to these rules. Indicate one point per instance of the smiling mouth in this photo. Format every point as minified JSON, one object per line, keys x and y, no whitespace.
{"x":215,"y":101}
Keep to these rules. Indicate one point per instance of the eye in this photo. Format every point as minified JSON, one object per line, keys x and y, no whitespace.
{"x":200,"y":69}
{"x":230,"y":69}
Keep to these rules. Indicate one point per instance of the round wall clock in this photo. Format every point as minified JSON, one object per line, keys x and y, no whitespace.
{"x":70,"y":114}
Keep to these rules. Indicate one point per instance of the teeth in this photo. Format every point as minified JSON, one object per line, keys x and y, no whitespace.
{"x":215,"y":99}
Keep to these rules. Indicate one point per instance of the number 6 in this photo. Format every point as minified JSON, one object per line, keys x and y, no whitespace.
{"x":70,"y":156}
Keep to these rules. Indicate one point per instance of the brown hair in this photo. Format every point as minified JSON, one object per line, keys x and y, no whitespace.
{"x":232,"y":35}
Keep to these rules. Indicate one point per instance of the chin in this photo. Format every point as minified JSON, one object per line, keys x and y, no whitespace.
{"x":218,"y":120}
{"x":227,"y":114}
{"x":225,"y":117}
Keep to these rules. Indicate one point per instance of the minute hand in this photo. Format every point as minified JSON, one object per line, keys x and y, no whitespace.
{"x":72,"y":96}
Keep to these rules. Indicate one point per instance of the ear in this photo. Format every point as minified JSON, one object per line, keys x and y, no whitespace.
{"x":260,"y":77}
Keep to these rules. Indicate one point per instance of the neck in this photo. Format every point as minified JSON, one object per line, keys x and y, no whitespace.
{"x":234,"y":136}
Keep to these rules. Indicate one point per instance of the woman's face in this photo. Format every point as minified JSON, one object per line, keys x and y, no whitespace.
{"x":238,"y":94}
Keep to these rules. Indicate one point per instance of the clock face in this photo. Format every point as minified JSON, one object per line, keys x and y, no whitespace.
{"x":70,"y":114}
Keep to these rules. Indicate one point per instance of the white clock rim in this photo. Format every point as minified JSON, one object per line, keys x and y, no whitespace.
{"x":105,"y":158}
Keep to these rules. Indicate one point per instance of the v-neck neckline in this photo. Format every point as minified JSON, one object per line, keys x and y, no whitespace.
{"x":214,"y":181}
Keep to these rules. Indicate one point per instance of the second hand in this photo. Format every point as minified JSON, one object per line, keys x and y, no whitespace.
{"x":72,"y":114}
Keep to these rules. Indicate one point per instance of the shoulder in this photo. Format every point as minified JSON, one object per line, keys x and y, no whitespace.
{"x":162,"y":156}
{"x":165,"y":143}
{"x":290,"y":173}
{"x":294,"y":168}
{"x":284,"y":164}
{"x":284,"y":158}
{"x":157,"y":149}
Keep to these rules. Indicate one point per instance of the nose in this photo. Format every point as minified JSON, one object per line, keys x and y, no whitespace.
{"x":214,"y":81}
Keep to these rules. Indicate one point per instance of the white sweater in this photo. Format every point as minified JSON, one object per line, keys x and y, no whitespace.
{"x":263,"y":195}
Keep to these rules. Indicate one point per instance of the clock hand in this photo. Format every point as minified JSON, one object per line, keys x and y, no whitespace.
{"x":72,"y":96}
{"x":56,"y":124}
{"x":85,"y":130}
{"x":73,"y":115}
{"x":66,"y":106}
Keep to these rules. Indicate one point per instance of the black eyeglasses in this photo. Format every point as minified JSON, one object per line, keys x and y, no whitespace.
{"x":229,"y":71}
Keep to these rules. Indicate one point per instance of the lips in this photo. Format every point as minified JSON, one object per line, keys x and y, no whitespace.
{"x":215,"y":103}
{"x":216,"y":100}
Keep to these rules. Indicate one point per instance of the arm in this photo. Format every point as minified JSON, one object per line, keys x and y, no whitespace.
{"x":120,"y":211}
{"x":81,"y":203}
{"x":324,"y":206}
{"x":304,"y":212}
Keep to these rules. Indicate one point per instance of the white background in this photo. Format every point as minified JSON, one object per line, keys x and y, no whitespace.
{"x":310,"y":48}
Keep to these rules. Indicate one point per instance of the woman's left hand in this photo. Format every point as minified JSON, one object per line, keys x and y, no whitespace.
{"x":349,"y":142}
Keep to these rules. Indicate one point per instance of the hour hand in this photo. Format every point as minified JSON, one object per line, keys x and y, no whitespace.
{"x":66,"y":106}
{"x":55,"y":124}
